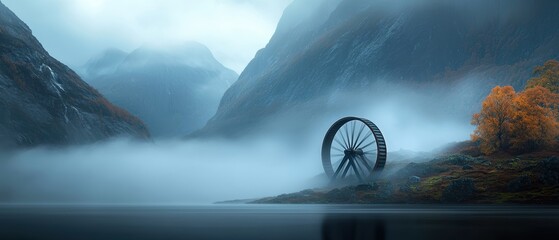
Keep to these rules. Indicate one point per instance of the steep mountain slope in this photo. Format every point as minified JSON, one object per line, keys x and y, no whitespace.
{"x":174,"y":90}
{"x":42,"y":101}
{"x":455,"y":50}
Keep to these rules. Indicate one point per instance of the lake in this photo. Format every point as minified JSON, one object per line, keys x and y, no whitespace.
{"x":278,"y":222}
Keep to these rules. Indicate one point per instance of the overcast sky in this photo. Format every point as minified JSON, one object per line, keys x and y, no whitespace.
{"x":75,"y":30}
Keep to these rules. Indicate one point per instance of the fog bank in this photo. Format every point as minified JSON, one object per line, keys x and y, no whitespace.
{"x":282,"y":155}
{"x":176,"y":172}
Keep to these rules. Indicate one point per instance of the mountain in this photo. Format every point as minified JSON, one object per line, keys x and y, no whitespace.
{"x":106,"y":63}
{"x":324,"y":52}
{"x":175,"y":90}
{"x":42,"y":101}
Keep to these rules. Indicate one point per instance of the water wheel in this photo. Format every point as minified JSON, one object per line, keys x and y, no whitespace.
{"x":353,"y":148}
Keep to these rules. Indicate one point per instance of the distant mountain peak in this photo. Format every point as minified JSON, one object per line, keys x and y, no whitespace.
{"x":183,"y":82}
{"x":191,"y":54}
{"x":104,"y":63}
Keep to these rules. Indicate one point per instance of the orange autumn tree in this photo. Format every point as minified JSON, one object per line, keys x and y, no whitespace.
{"x":547,"y":76}
{"x":494,"y":122}
{"x":535,"y":122}
{"x":524,"y":121}
{"x":518,"y":122}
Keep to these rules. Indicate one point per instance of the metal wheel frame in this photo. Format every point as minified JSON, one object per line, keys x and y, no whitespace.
{"x":353,"y":156}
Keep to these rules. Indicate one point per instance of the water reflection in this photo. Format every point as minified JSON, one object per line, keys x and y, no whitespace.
{"x":437,"y":225}
{"x":349,"y":228}
{"x":281,"y":222}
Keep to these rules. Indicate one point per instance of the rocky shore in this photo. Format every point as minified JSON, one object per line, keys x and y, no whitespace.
{"x":455,"y":178}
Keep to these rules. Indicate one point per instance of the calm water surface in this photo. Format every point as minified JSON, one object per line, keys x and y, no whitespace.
{"x":278,"y":222}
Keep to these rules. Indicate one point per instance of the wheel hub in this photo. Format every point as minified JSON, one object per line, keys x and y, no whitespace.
{"x":353,"y":152}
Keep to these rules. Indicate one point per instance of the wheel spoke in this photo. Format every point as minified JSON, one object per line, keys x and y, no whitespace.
{"x":352,"y":134}
{"x":352,"y":162}
{"x":358,"y":165}
{"x":359,"y":134}
{"x":338,"y":155}
{"x":368,"y":144}
{"x":337,"y":149}
{"x":344,"y":160}
{"x":346,"y":168}
{"x":347,"y":136}
{"x":366,"y":163}
{"x":346,"y":146}
{"x":340,"y":143}
{"x":363,"y":140}
{"x":370,"y":162}
{"x":370,"y":153}
{"x":337,"y":163}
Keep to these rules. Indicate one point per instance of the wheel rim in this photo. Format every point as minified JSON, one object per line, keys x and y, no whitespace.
{"x":353,"y":148}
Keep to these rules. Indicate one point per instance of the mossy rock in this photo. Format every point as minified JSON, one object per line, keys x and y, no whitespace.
{"x":460,"y":190}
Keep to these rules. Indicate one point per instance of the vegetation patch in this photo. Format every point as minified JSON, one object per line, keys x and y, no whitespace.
{"x":527,"y":179}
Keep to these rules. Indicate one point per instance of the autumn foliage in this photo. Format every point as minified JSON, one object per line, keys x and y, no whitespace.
{"x":535,"y":123}
{"x":494,"y":122}
{"x":547,"y":76}
{"x":518,"y":122}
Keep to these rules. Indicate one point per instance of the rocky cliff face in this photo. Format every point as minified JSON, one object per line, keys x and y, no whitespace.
{"x":42,"y":101}
{"x":458,"y":50}
{"x":175,"y":90}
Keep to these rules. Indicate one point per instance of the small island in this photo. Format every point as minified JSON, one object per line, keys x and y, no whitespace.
{"x":451,"y":178}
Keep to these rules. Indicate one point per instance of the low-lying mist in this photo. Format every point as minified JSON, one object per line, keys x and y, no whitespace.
{"x":281,"y":156}
{"x":174,"y":172}
{"x":412,"y":118}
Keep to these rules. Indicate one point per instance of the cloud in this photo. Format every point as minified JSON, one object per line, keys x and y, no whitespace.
{"x":73,"y":31}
